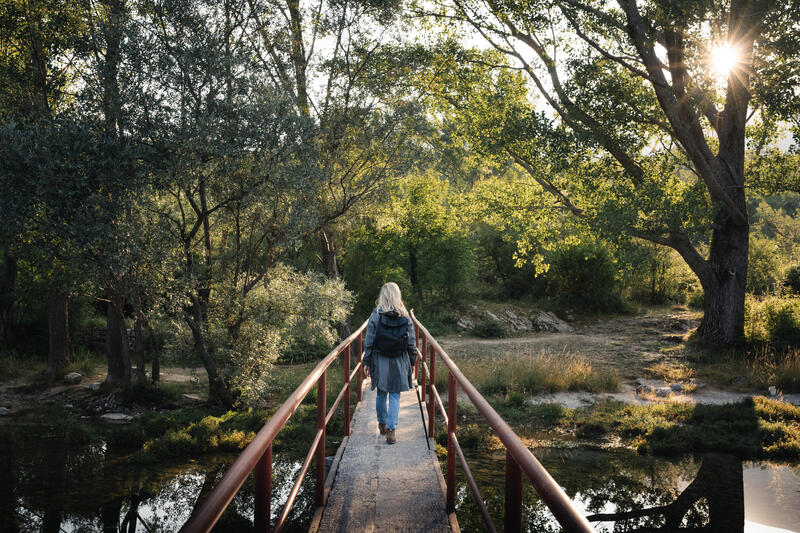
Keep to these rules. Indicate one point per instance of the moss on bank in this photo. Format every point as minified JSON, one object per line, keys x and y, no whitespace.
{"x":753,"y":428}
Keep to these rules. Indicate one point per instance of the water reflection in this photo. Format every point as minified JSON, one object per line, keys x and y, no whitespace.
{"x":50,"y":486}
{"x":626,"y":492}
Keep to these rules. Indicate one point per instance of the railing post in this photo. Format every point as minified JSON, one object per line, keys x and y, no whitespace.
{"x":346,"y":356}
{"x":431,"y":399}
{"x":360,"y":360}
{"x":263,"y":492}
{"x":416,"y":345}
{"x":319,"y":494}
{"x":452,"y":390}
{"x":513,"y":521}
{"x":422,"y":354}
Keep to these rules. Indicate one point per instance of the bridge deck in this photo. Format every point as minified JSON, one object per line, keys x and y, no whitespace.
{"x":386,"y":487}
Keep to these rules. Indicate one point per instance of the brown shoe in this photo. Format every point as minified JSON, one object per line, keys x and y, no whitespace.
{"x":382,"y":428}
{"x":390,"y":438}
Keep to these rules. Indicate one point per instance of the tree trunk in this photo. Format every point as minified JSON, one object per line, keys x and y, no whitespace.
{"x":117,"y":350}
{"x":723,"y":321}
{"x":217,"y":389}
{"x":59,"y":349}
{"x":8,"y":279}
{"x":138,"y":348}
{"x":331,"y":267}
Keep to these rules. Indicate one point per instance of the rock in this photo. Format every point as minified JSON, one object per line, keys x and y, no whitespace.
{"x":192,"y":397}
{"x":73,"y":378}
{"x":516,"y":322}
{"x":663,"y":392}
{"x":644,"y":389}
{"x":548,"y":321}
{"x":4,"y":411}
{"x":676,"y":387}
{"x":465,"y":323}
{"x":116,"y":418}
{"x":773,"y":391}
{"x":93,"y":386}
{"x":491,"y":316}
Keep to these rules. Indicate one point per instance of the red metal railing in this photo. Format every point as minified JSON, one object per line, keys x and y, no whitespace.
{"x":518,"y":458}
{"x":257,"y":457}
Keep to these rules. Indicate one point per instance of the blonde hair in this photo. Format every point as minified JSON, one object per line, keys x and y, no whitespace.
{"x":390,"y":299}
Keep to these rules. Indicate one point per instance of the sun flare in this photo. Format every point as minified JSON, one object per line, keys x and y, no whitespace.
{"x":724,"y":58}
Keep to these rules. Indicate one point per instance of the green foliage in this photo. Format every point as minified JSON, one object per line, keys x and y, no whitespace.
{"x":212,"y":434}
{"x":757,"y":427}
{"x":764,"y":274}
{"x":490,"y":329}
{"x":287,"y":312}
{"x":583,"y":275}
{"x":792,"y":281}
{"x":773,"y":320}
{"x":416,"y":242}
{"x":657,"y":275}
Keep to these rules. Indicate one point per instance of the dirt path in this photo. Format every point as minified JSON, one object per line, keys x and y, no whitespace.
{"x":638,"y":347}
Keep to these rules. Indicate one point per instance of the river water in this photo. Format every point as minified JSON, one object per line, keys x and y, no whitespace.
{"x":48,"y":485}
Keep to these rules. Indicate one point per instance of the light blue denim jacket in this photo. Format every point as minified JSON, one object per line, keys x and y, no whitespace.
{"x":390,"y":374}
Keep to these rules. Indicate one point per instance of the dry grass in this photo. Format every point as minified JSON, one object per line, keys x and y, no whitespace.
{"x":535,"y":372}
{"x":671,"y":372}
{"x":782,"y":370}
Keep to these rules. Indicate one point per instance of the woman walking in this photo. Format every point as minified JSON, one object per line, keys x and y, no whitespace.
{"x":389,"y":356}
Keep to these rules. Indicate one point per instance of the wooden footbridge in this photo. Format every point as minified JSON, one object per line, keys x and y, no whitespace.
{"x":373,"y":486}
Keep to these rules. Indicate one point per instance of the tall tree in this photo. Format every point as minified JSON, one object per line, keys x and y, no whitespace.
{"x":37,"y":48}
{"x":647,"y":86}
{"x":352,"y":89}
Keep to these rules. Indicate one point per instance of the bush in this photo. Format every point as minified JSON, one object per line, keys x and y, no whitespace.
{"x":584,"y":276}
{"x":792,"y":281}
{"x":773,"y":320}
{"x":763,"y":267}
{"x":490,"y":329}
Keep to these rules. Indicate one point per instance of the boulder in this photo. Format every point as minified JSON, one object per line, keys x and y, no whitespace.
{"x":93,"y":386}
{"x":663,"y":392}
{"x":491,"y":316}
{"x":644,"y":389}
{"x":516,"y":322}
{"x":116,"y":418}
{"x":548,"y":321}
{"x":676,"y":387}
{"x":4,"y":411}
{"x":465,"y":323}
{"x":773,"y":390}
{"x":73,"y":378}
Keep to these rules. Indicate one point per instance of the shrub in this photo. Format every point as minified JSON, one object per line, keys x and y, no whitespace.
{"x":584,"y":276}
{"x":696,"y":300}
{"x":763,"y":267}
{"x":489,"y":329}
{"x":792,"y":281}
{"x":773,"y":320}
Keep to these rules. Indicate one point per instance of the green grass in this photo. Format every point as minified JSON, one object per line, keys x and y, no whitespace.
{"x":754,"y":428}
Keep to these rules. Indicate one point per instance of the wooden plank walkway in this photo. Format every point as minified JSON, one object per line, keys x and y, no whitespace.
{"x":379,"y":487}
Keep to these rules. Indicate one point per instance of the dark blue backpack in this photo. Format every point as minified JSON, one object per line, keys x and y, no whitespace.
{"x":391,"y":334}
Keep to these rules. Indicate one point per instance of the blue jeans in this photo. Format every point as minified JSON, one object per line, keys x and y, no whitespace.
{"x":390,"y":418}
